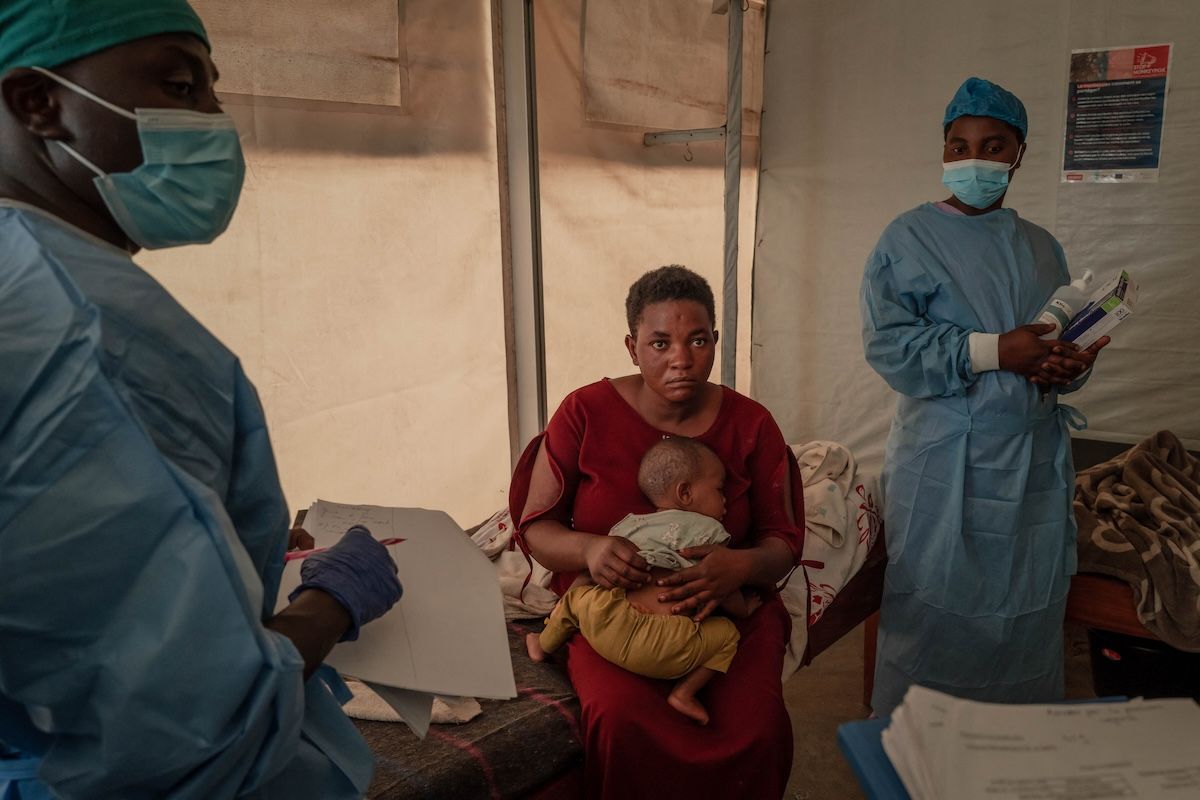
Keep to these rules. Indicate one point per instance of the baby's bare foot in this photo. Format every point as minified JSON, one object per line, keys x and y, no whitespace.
{"x":534,"y":646}
{"x":689,"y":706}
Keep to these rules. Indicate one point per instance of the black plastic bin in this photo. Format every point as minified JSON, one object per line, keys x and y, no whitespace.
{"x":1137,"y":667}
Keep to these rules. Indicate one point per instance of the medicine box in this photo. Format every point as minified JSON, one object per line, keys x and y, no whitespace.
{"x":1113,"y":302}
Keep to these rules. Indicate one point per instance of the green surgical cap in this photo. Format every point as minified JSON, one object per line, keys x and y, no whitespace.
{"x":47,"y":33}
{"x":980,"y":98}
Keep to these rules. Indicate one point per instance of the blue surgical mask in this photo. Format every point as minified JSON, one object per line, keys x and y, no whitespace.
{"x":187,"y":187}
{"x":977,"y":181}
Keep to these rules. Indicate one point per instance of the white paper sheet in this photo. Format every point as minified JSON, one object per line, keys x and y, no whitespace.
{"x":447,"y":634}
{"x":948,"y":748}
{"x":415,"y":708}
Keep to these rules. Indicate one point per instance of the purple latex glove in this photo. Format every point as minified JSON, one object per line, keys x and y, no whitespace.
{"x":358,"y":572}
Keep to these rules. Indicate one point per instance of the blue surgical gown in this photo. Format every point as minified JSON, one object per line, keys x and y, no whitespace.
{"x":978,"y":475}
{"x":142,"y":534}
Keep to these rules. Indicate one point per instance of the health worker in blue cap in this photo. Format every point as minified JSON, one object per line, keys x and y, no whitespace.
{"x":978,"y":478}
{"x":142,"y":525}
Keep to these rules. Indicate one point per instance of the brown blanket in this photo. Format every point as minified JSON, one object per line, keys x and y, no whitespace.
{"x":1139,"y":520}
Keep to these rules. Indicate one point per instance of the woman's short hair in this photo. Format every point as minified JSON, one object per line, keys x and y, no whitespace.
{"x":669,"y":462}
{"x":673,"y":282}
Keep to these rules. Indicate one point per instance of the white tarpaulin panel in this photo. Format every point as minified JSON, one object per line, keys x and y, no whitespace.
{"x":612,"y":208}
{"x":1150,"y":376}
{"x":348,"y":52}
{"x":853,"y":137}
{"x":360,"y":283}
{"x":662,"y":64}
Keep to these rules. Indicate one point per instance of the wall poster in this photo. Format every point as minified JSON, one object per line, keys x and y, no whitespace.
{"x":1116,"y":98}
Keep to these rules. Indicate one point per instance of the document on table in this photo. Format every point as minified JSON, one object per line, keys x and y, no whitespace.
{"x":447,"y":635}
{"x":943,"y":747}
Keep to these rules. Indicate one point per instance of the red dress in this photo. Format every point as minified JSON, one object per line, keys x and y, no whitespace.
{"x":635,"y":744}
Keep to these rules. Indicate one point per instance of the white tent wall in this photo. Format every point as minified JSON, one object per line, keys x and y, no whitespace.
{"x":613,"y":208}
{"x":360,"y":281}
{"x":854,"y":96}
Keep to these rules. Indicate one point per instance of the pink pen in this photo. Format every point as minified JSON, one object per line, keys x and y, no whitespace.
{"x":296,"y":555}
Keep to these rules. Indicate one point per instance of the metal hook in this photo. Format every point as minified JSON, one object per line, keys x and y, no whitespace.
{"x":687,"y":152}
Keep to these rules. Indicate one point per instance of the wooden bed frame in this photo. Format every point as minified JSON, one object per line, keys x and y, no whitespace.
{"x":857,"y":602}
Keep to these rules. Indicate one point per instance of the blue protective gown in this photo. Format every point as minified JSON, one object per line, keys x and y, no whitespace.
{"x":142,"y":533}
{"x":978,"y":475}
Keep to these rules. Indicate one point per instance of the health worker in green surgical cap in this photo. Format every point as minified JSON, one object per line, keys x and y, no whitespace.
{"x":978,"y":475}
{"x":142,"y":524}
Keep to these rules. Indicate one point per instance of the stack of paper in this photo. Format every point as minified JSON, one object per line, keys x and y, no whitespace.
{"x":446,"y":636}
{"x":945,"y":748}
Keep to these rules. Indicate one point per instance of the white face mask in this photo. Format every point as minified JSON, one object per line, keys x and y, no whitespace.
{"x":978,"y":182}
{"x":188,"y":185}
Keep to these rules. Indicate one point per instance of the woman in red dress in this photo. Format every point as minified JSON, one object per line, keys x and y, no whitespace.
{"x":579,"y":478}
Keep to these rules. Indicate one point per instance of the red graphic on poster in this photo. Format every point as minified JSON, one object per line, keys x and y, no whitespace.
{"x":1150,"y":62}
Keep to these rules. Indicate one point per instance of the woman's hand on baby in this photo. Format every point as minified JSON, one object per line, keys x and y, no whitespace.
{"x":614,"y":561}
{"x":701,"y":588}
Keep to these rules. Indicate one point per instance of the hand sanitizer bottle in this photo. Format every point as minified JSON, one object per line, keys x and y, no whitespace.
{"x":1065,"y":303}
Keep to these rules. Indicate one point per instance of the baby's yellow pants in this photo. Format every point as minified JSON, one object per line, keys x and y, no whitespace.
{"x":653,"y":645}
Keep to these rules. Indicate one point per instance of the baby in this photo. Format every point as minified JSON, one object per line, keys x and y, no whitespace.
{"x":684,"y":479}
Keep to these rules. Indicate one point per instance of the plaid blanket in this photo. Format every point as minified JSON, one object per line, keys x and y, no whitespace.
{"x":1139,"y":520}
{"x":510,"y":750}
